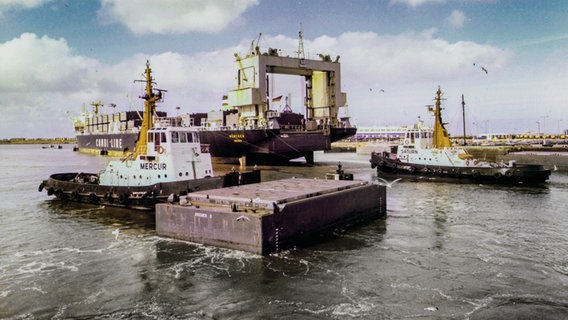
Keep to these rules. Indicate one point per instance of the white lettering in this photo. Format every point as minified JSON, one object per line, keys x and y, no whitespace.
{"x":115,"y":143}
{"x":201,"y":215}
{"x":152,"y":166}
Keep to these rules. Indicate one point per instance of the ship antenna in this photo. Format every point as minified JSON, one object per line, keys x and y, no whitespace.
{"x":301,"y":54}
{"x":463,"y":118}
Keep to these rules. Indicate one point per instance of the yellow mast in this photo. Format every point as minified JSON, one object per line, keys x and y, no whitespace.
{"x":440,"y":138}
{"x":148,"y":117}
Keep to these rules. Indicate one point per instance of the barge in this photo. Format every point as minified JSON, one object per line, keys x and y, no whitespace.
{"x":269,"y":216}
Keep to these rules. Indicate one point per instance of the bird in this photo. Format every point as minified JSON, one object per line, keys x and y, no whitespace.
{"x":386,"y":183}
{"x":482,"y":69}
{"x":431,"y":308}
{"x":115,"y":232}
{"x":242,"y":217}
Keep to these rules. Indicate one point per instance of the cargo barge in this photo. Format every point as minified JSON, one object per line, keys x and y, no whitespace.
{"x":270,"y":216}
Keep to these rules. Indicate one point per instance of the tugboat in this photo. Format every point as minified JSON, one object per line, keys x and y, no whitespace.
{"x":168,"y":161}
{"x":426,"y":153}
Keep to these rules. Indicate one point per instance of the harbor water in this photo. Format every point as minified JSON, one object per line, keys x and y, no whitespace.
{"x":444,"y":251}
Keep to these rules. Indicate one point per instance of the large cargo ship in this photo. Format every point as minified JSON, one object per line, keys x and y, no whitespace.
{"x":108,"y":133}
{"x":248,"y":128}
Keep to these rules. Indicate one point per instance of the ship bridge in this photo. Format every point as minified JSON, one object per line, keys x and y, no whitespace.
{"x":323,"y":95}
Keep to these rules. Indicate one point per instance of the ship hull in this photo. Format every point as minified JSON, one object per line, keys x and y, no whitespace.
{"x":65,"y":187}
{"x":112,"y":144}
{"x":389,"y":166}
{"x":257,"y":145}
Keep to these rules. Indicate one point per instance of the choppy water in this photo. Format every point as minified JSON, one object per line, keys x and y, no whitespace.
{"x":443,"y":252}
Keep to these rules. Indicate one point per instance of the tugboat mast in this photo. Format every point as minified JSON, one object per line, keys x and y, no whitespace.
{"x":150,"y":98}
{"x":440,"y":137}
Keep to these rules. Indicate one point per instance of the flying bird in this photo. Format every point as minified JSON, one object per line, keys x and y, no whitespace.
{"x":386,"y":183}
{"x":482,"y":68}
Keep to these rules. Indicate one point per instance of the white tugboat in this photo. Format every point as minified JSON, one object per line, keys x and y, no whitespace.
{"x":426,"y":153}
{"x":168,"y":161}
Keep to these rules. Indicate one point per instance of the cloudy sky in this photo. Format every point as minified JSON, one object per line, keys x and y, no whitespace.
{"x":56,"y":56}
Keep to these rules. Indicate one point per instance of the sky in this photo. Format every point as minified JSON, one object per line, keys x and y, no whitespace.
{"x":508,"y":58}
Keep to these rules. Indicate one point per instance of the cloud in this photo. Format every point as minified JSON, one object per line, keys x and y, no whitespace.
{"x":7,"y":5}
{"x":456,"y":19}
{"x":47,"y":79}
{"x":415,"y":3}
{"x":174,"y":16}
{"x":41,"y":64}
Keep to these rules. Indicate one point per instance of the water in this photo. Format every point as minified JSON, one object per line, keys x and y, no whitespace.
{"x":443,"y":252}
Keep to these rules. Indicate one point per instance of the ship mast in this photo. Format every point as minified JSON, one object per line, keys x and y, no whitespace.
{"x":150,"y":98}
{"x":440,"y":137}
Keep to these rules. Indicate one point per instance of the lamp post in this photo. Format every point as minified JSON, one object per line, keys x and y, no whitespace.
{"x":544,"y":129}
{"x":538,"y":132}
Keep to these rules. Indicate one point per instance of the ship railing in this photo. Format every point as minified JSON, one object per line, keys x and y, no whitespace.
{"x":169,"y":121}
{"x":229,"y":128}
{"x":292,"y":127}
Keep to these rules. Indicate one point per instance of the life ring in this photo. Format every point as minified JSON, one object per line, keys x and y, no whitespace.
{"x":123,"y":198}
{"x":160,"y":149}
{"x":467,"y":163}
{"x":406,"y":142}
{"x":475,"y":162}
{"x":509,"y":173}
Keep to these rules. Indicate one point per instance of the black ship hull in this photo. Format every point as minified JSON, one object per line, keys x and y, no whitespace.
{"x":388,"y":166}
{"x":113,"y":144}
{"x":257,"y":145}
{"x":66,"y":187}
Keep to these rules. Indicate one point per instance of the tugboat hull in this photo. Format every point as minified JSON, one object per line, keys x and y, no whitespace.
{"x":389,"y":166}
{"x":66,"y":186}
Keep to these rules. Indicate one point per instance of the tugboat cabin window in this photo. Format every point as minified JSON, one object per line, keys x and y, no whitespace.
{"x":175,"y":137}
{"x":150,"y":137}
{"x":182,"y":137}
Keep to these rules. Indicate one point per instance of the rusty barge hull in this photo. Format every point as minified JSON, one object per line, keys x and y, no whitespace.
{"x":270,"y":216}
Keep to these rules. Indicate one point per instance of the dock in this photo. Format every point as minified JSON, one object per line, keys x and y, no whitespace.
{"x":269,"y":216}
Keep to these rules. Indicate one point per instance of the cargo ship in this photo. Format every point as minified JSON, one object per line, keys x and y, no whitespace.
{"x":248,"y":128}
{"x":426,"y":154}
{"x":107,"y":133}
